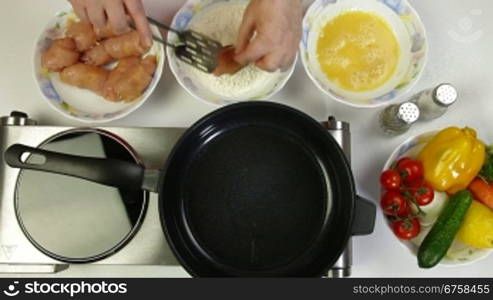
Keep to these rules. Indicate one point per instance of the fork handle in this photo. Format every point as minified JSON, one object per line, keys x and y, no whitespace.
{"x":161,"y":25}
{"x":157,"y":39}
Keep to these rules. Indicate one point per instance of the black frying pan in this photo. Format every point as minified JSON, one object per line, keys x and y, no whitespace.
{"x":252,"y":189}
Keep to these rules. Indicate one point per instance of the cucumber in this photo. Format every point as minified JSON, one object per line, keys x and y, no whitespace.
{"x":442,"y":234}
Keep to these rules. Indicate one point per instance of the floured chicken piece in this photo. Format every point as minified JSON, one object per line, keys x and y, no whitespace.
{"x":97,"y":56}
{"x":61,"y":54}
{"x":129,"y":79}
{"x":85,"y":76}
{"x":226,"y":62}
{"x":83,"y":34}
{"x":125,"y":45}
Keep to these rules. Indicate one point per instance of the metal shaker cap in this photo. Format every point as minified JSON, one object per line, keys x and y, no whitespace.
{"x":408,"y":112}
{"x":445,"y":94}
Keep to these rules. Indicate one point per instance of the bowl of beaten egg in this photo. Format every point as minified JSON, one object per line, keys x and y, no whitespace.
{"x":364,"y":53}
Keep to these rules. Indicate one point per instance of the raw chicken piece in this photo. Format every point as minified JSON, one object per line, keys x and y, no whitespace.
{"x":97,"y":56}
{"x":128,"y":80}
{"x":115,"y":48}
{"x":150,"y":64}
{"x":106,"y":33}
{"x":83,"y":34}
{"x":61,"y":54}
{"x":125,"y":45}
{"x":85,"y":76}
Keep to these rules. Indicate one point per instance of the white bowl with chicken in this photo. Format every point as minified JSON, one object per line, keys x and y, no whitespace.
{"x":91,"y":78}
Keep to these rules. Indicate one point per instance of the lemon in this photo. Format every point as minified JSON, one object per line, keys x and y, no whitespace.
{"x":477,"y":228}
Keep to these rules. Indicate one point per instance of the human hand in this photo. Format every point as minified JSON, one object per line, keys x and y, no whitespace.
{"x":270,"y":34}
{"x":115,"y":14}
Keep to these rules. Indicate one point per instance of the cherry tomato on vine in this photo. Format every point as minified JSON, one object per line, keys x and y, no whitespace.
{"x":390,"y":180}
{"x":422,"y":192}
{"x":402,"y":160}
{"x":394,"y":204}
{"x":410,"y":169}
{"x":406,"y":229}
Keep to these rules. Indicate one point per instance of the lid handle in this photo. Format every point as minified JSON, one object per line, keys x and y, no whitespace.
{"x":111,"y":172}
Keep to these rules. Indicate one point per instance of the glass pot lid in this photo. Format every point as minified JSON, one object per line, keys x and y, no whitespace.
{"x":72,"y":219}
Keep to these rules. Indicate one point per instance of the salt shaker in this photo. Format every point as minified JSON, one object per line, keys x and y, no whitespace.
{"x":398,"y":118}
{"x":433,"y":103}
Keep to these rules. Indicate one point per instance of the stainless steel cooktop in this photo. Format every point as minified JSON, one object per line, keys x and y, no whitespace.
{"x":17,"y":254}
{"x":49,"y":221}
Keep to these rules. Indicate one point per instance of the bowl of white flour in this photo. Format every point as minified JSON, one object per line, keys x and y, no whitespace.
{"x":221,"y":20}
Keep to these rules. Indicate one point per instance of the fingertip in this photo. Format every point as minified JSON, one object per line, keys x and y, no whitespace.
{"x":269,"y":63}
{"x":240,"y":47}
{"x":240,"y":58}
{"x":145,"y":33}
{"x":264,"y":66}
{"x":122,"y":29}
{"x":147,"y":41}
{"x":79,"y":10}
{"x":117,"y":18}
{"x":254,"y":51}
{"x":144,"y":30}
{"x":97,"y":18}
{"x":142,"y":26}
{"x":245,"y":34}
{"x":288,"y":62}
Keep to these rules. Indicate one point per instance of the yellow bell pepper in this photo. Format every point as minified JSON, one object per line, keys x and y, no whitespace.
{"x":452,"y":159}
{"x":476,"y":229}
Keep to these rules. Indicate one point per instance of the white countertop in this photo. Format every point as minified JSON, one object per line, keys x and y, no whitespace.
{"x":466,"y":64}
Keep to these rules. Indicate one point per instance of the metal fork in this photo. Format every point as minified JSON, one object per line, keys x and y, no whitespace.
{"x":194,"y":48}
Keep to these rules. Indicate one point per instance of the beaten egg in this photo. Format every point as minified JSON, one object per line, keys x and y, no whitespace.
{"x":358,"y":51}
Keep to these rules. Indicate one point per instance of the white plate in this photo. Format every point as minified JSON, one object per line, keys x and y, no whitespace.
{"x":80,"y":104}
{"x":459,"y":254}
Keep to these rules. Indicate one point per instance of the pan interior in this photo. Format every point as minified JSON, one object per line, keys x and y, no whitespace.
{"x":256,"y":197}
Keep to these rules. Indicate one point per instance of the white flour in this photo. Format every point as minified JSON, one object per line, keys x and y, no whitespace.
{"x":222,"y":22}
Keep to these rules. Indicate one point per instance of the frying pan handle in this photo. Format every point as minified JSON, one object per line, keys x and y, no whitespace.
{"x":364,"y":217}
{"x":111,"y":172}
